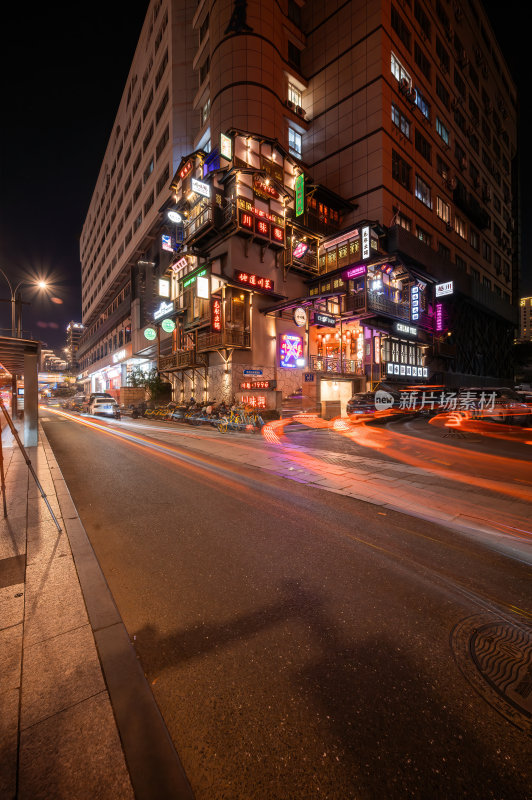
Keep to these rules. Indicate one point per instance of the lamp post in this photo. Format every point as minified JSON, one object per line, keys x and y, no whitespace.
{"x":16,"y":326}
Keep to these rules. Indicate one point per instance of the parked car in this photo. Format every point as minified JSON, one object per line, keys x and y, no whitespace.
{"x":77,"y":402}
{"x":91,"y":397}
{"x":106,"y":406}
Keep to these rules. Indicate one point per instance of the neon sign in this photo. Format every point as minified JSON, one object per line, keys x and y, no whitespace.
{"x":414,"y":302}
{"x":355,"y":272}
{"x":216,"y":314}
{"x":300,"y":249}
{"x":263,"y":188}
{"x":200,"y":188}
{"x":184,"y":171}
{"x":249,"y":385}
{"x":439,"y":316}
{"x":256,"y":281}
{"x":290,"y":351}
{"x":300,"y":194}
{"x":255,"y":401}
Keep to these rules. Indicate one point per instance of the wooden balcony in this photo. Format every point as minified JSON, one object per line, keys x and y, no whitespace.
{"x":336,"y":365}
{"x":214,"y":340}
{"x":364,"y":303}
{"x":183,"y":360}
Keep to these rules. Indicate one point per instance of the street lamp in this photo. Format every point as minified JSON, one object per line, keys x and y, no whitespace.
{"x":16,"y":329}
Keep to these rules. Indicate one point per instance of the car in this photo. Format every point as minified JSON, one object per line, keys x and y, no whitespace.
{"x":384,"y":397}
{"x":88,"y":400}
{"x":498,"y":404}
{"x":106,"y":406}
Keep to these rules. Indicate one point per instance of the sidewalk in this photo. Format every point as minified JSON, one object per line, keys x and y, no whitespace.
{"x":77,"y":719}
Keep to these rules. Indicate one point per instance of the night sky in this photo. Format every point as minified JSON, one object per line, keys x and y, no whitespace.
{"x":61,"y":90}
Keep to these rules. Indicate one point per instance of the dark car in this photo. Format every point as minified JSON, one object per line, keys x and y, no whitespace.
{"x":383,"y":398}
{"x":498,"y":404}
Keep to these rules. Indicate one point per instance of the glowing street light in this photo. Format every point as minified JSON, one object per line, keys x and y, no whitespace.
{"x":16,"y":327}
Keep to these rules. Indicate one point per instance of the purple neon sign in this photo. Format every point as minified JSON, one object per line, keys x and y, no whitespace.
{"x":439,"y":316}
{"x":355,"y":272}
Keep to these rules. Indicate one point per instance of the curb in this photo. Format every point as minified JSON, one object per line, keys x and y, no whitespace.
{"x":155,"y":769}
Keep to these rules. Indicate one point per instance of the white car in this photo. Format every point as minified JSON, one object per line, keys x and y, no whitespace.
{"x":106,"y":406}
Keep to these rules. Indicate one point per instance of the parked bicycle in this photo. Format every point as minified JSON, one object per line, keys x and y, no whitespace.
{"x":241,"y":418}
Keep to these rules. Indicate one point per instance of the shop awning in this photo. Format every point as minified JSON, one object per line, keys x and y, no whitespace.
{"x":12,"y":352}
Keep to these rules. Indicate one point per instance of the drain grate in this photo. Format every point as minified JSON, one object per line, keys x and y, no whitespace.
{"x":496,"y":657}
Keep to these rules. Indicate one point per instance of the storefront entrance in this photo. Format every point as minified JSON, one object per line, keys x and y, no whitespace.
{"x":334,"y":395}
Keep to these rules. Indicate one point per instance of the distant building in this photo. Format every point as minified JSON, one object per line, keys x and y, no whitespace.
{"x":525,"y":319}
{"x":74,"y":334}
{"x":345,"y":191}
{"x":51,"y":363}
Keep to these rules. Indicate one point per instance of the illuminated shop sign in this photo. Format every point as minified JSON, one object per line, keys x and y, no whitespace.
{"x":166,"y":243}
{"x":300,"y":249}
{"x":414,"y":302}
{"x":164,"y":287}
{"x":439,"y":316}
{"x":291,"y":351}
{"x":366,"y":245}
{"x":258,"y":222}
{"x":226,"y":147}
{"x":183,"y":262}
{"x":119,"y":356}
{"x":406,"y":370}
{"x":263,"y":188}
{"x":150,"y":334}
{"x":168,"y":325}
{"x":163,"y":310}
{"x":185,"y":170}
{"x":216,"y":314}
{"x":355,"y":272}
{"x":254,"y":281}
{"x":200,"y":188}
{"x":444,"y":288}
{"x":410,"y":330}
{"x":327,"y":320}
{"x":188,"y":281}
{"x":249,"y":385}
{"x":300,"y":194}
{"x":300,"y":316}
{"x":255,"y":401}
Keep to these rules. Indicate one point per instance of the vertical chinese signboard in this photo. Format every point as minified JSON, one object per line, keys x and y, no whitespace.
{"x":300,"y":195}
{"x":216,"y":313}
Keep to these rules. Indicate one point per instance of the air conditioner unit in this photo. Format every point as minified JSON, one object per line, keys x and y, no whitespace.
{"x":449,"y":226}
{"x":411,"y":95}
{"x":452,"y":183}
{"x":300,"y":111}
{"x":463,"y":163}
{"x":290,"y":104}
{"x":404,"y":85}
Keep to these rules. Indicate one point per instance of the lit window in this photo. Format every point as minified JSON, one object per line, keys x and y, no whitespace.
{"x":294,"y":95}
{"x":442,"y":131}
{"x":398,"y":70}
{"x":460,"y":227}
{"x":423,"y":192}
{"x":294,"y":142}
{"x":443,"y":210}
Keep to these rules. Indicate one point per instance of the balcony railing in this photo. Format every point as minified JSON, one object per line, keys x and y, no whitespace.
{"x":226,"y":338}
{"x":187,"y":358}
{"x":372,"y":301}
{"x":336,"y":365}
{"x":193,"y":226}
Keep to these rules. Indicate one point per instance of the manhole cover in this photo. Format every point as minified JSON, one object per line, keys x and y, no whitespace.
{"x":496,"y":657}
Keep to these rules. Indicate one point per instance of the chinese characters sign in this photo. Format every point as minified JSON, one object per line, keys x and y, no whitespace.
{"x":254,"y":281}
{"x":406,"y":370}
{"x":300,"y":194}
{"x":249,"y":385}
{"x":414,"y":302}
{"x":216,"y":313}
{"x":290,"y":351}
{"x":355,"y":272}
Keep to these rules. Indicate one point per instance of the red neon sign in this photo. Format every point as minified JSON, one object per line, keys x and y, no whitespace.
{"x":278,"y":234}
{"x":255,"y":402}
{"x":216,"y":314}
{"x":255,"y":281}
{"x":262,"y":228}
{"x":246,"y":220}
{"x":184,"y":171}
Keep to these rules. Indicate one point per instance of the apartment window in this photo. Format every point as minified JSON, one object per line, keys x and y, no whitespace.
{"x":147,"y":138}
{"x":162,"y":142}
{"x":399,"y":119}
{"x":136,"y":163}
{"x":205,"y":111}
{"x":147,"y":105}
{"x":398,"y":71}
{"x":497,"y":263}
{"x":460,"y":226}
{"x":474,"y":77}
{"x":474,"y":239}
{"x":442,"y":167}
{"x":404,"y":221}
{"x":294,"y":95}
{"x":294,"y":142}
{"x":486,"y":282}
{"x":149,"y":202}
{"x":424,"y":236}
{"x":148,"y":171}
{"x":486,"y":251}
{"x":136,"y":134}
{"x":422,"y":104}
{"x":423,"y":146}
{"x":204,"y":69}
{"x":137,"y":192}
{"x":294,"y":55}
{"x":442,"y":131}
{"x":401,"y":28}
{"x":443,"y":55}
{"x":163,"y":179}
{"x":422,"y":61}
{"x":443,"y":210}
{"x":401,"y":170}
{"x":204,"y":27}
{"x":442,"y":93}
{"x":160,"y":71}
{"x":444,"y":251}
{"x":161,"y":107}
{"x":459,"y":83}
{"x":422,"y":192}
{"x":475,"y":274}
{"x":423,"y":20}
{"x":460,"y":262}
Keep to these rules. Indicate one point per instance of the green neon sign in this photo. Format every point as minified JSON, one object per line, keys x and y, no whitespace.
{"x":150,"y":334}
{"x":300,"y":195}
{"x":168,"y":325}
{"x":192,"y":278}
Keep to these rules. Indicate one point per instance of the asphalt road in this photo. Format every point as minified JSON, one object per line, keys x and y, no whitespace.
{"x":303,"y":644}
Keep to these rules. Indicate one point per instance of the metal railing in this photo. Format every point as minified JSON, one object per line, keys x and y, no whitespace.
{"x":336,"y":365}
{"x":225,"y":338}
{"x":187,"y":358}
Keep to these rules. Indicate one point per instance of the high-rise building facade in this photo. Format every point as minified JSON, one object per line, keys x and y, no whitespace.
{"x":74,"y":333}
{"x":344,"y":192}
{"x":525,"y":319}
